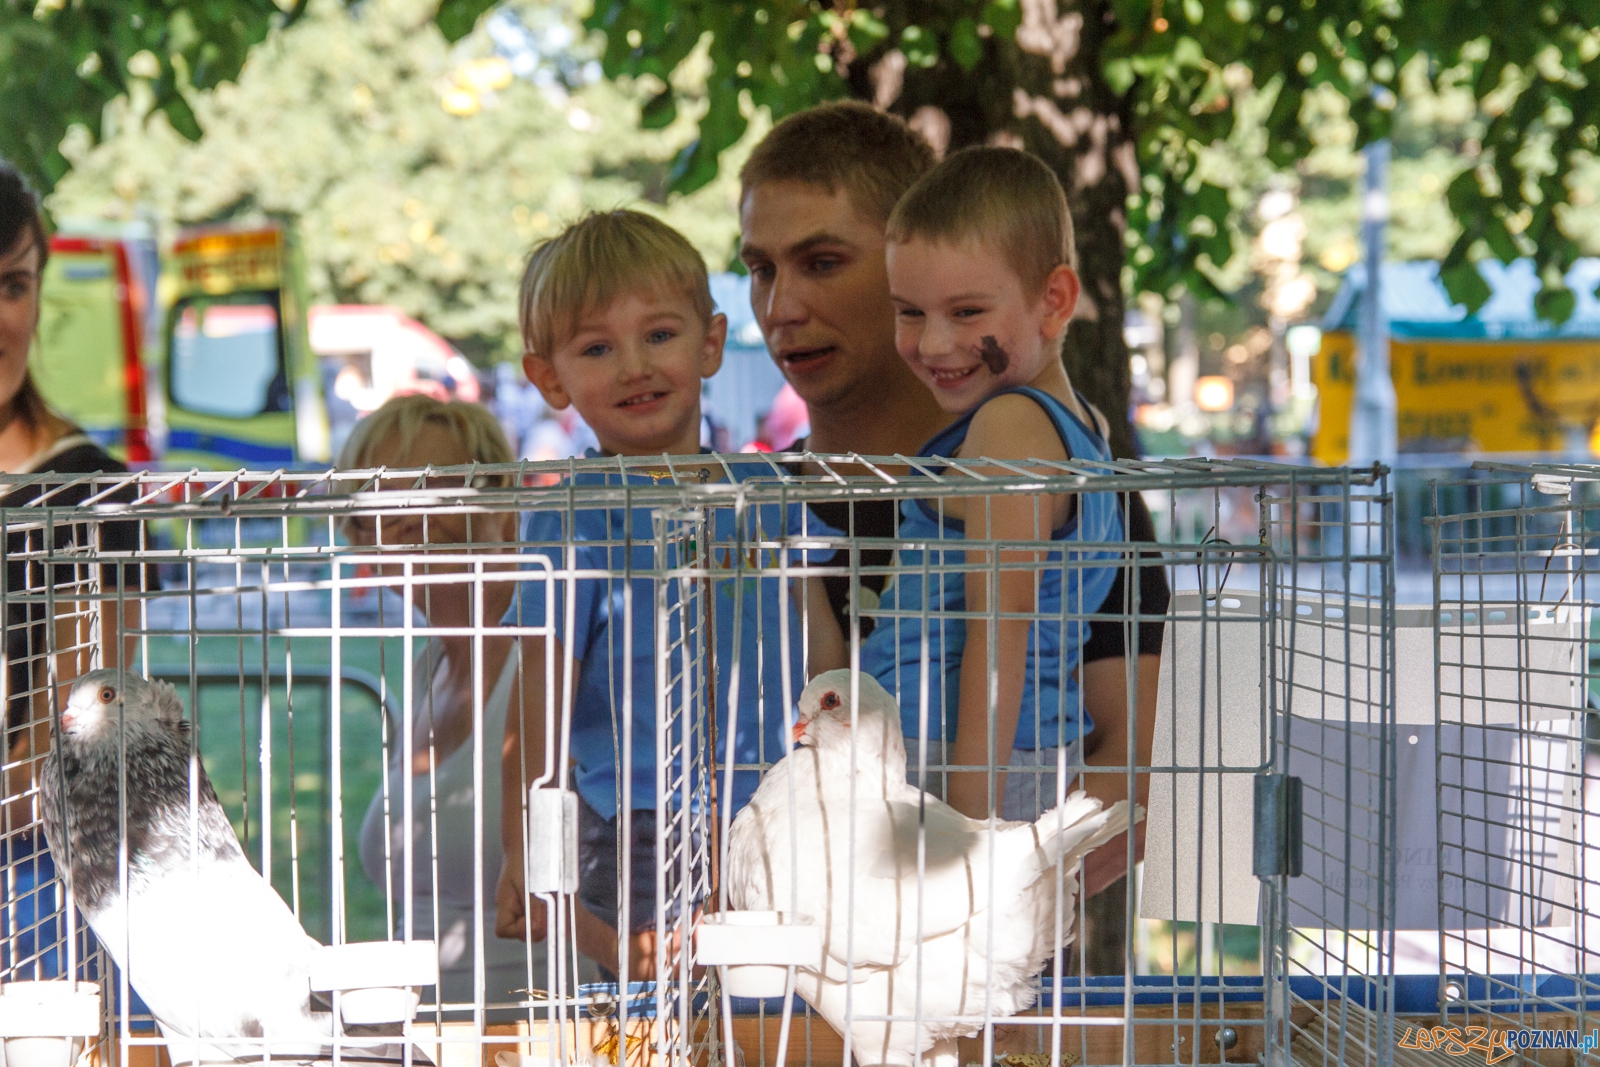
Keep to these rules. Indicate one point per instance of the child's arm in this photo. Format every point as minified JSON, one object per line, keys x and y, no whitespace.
{"x":1007,"y":427}
{"x":517,"y":914}
{"x":523,"y":747}
{"x":825,"y":643}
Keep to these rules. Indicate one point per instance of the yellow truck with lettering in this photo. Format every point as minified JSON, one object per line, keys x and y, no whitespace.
{"x":231,"y":380}
{"x":242,"y":386}
{"x":1500,"y":381}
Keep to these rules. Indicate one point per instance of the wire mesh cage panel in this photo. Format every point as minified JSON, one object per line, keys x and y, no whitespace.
{"x":1273,"y":767}
{"x":545,"y":764}
{"x":1513,"y":614}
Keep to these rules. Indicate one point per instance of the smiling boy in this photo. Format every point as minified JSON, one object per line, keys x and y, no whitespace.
{"x":816,"y":194}
{"x":618,"y":322}
{"x":980,"y":265}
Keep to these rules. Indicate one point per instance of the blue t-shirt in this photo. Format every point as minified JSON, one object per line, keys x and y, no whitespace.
{"x":610,"y":540}
{"x":1052,"y":712}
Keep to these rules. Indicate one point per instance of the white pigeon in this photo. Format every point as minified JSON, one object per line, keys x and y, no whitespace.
{"x":211,"y":948}
{"x":962,"y":943}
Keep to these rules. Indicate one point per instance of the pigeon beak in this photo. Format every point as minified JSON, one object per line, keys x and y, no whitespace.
{"x":69,"y":715}
{"x":799,"y":730}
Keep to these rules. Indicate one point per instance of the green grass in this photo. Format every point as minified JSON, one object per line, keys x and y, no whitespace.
{"x":228,"y":731}
{"x":1174,"y":948}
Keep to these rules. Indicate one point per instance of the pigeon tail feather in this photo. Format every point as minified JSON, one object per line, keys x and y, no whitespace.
{"x":1083,"y":833}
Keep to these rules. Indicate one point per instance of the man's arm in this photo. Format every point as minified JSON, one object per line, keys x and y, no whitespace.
{"x":1119,"y":747}
{"x":825,"y":645}
{"x":1105,"y":690}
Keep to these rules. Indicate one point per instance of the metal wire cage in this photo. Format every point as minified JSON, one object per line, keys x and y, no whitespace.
{"x":349,"y":648}
{"x":1513,"y":563}
{"x":1275,"y":741}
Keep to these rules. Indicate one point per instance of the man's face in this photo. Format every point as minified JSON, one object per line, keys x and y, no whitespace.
{"x":819,"y":289}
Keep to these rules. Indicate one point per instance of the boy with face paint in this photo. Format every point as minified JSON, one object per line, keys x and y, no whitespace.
{"x":979,"y":260}
{"x":816,"y":195}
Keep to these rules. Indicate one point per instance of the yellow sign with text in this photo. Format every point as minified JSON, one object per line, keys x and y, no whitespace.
{"x":227,"y":261}
{"x":1467,"y":396}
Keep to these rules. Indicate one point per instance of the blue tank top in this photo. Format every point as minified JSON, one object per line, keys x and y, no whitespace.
{"x":1052,"y":711}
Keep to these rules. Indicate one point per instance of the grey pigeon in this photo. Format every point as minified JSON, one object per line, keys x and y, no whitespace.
{"x":933,"y":915}
{"x":208,"y":944}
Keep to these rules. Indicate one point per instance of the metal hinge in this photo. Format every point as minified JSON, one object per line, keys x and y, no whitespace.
{"x":1278,"y":836}
{"x":552,"y":841}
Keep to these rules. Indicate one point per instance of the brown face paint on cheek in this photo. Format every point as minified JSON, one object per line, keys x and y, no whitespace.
{"x":994,"y":357}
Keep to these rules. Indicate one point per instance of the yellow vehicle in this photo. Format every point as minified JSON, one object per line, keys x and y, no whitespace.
{"x":1502,"y":380}
{"x":243,"y":388}
{"x":239,"y":385}
{"x":89,"y":361}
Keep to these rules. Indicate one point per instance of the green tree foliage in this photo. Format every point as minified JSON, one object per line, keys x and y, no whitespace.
{"x":341,"y":123}
{"x":63,"y":61}
{"x":1126,"y":99}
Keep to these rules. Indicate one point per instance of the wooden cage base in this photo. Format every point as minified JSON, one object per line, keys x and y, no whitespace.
{"x":1162,"y":1036}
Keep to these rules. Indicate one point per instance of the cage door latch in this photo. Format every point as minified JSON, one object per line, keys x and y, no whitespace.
{"x":552,"y":841}
{"x":1278,"y":836}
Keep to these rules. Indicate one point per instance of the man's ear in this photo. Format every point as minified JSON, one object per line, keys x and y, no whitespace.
{"x":716,"y":337}
{"x":1060,"y":299}
{"x":542,"y":373}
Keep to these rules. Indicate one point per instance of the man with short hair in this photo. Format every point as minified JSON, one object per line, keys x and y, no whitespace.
{"x":816,"y":195}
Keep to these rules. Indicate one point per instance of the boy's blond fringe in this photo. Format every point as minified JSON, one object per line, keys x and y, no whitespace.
{"x":401,"y":418}
{"x":598,"y":258}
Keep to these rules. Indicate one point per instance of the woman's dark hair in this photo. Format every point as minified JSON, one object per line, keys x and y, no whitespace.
{"x":19,"y":220}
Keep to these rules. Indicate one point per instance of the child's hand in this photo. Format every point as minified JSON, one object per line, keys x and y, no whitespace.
{"x":597,"y":939}
{"x":514,"y":907}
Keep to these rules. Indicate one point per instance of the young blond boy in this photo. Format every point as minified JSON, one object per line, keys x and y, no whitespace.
{"x":618,"y":322}
{"x":980,"y":264}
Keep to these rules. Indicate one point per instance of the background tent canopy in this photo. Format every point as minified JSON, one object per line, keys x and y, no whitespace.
{"x":1416,"y":304}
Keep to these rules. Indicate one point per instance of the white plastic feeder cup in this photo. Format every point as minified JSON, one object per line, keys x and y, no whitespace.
{"x":755,"y":950}
{"x":377,"y":981}
{"x":44,"y":1024}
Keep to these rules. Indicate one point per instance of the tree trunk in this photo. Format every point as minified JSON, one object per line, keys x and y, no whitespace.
{"x":1044,"y":91}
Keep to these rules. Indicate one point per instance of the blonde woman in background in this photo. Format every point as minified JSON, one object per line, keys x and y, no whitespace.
{"x":412,"y":432}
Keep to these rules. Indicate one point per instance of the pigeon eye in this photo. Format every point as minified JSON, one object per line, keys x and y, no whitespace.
{"x":830,"y":700}
{"x":107,"y":694}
